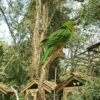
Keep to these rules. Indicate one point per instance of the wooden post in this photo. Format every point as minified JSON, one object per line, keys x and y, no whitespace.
{"x":26,"y":95}
{"x":35,"y":96}
{"x":89,"y":61}
{"x":64,"y":95}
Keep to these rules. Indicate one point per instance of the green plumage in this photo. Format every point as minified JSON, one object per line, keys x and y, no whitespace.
{"x":57,"y":38}
{"x":47,"y":54}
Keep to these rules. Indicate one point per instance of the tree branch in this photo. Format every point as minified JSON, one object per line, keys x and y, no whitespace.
{"x":8,"y":63}
{"x":14,"y":39}
{"x":16,"y":94}
{"x":45,"y":67}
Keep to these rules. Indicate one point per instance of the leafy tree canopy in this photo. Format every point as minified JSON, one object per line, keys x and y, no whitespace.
{"x":90,"y":13}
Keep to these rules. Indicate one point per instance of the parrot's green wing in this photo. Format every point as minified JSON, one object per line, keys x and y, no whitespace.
{"x":60,"y":36}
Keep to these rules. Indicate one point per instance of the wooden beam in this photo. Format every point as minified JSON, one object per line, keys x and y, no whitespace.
{"x":26,"y":95}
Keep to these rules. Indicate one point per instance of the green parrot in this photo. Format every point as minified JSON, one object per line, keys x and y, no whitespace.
{"x":56,"y":39}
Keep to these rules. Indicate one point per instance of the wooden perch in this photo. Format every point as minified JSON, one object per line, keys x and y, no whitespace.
{"x":45,"y":67}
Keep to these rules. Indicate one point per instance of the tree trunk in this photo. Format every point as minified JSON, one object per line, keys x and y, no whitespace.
{"x":42,"y":21}
{"x":36,"y":43}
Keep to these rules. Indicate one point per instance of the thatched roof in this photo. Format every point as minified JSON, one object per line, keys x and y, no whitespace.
{"x":86,"y":77}
{"x":81,"y":77}
{"x":5,"y":89}
{"x":47,"y":85}
{"x":68,"y":81}
{"x":50,"y":84}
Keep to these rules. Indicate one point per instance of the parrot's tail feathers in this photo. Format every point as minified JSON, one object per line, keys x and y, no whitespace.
{"x":46,"y":55}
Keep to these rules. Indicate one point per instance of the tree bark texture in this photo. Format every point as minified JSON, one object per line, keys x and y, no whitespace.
{"x":36,"y":43}
{"x":40,"y":29}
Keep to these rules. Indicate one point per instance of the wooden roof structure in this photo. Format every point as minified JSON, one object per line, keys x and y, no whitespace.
{"x":47,"y":85}
{"x":86,"y":77}
{"x":78,"y":77}
{"x":5,"y":89}
{"x":69,"y":82}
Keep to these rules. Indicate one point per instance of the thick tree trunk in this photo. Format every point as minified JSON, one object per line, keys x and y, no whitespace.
{"x":45,"y":67}
{"x":36,"y":43}
{"x":38,"y":36}
{"x":42,"y":12}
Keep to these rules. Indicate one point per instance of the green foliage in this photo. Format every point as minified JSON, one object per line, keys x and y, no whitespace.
{"x":63,"y":73}
{"x":1,"y":52}
{"x":92,"y":90}
{"x":95,"y":69}
{"x":16,"y":58}
{"x":75,"y":96}
{"x":77,"y":40}
{"x":58,"y":19}
{"x":27,"y":23}
{"x":90,"y":12}
{"x":12,"y":13}
{"x":15,"y":62}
